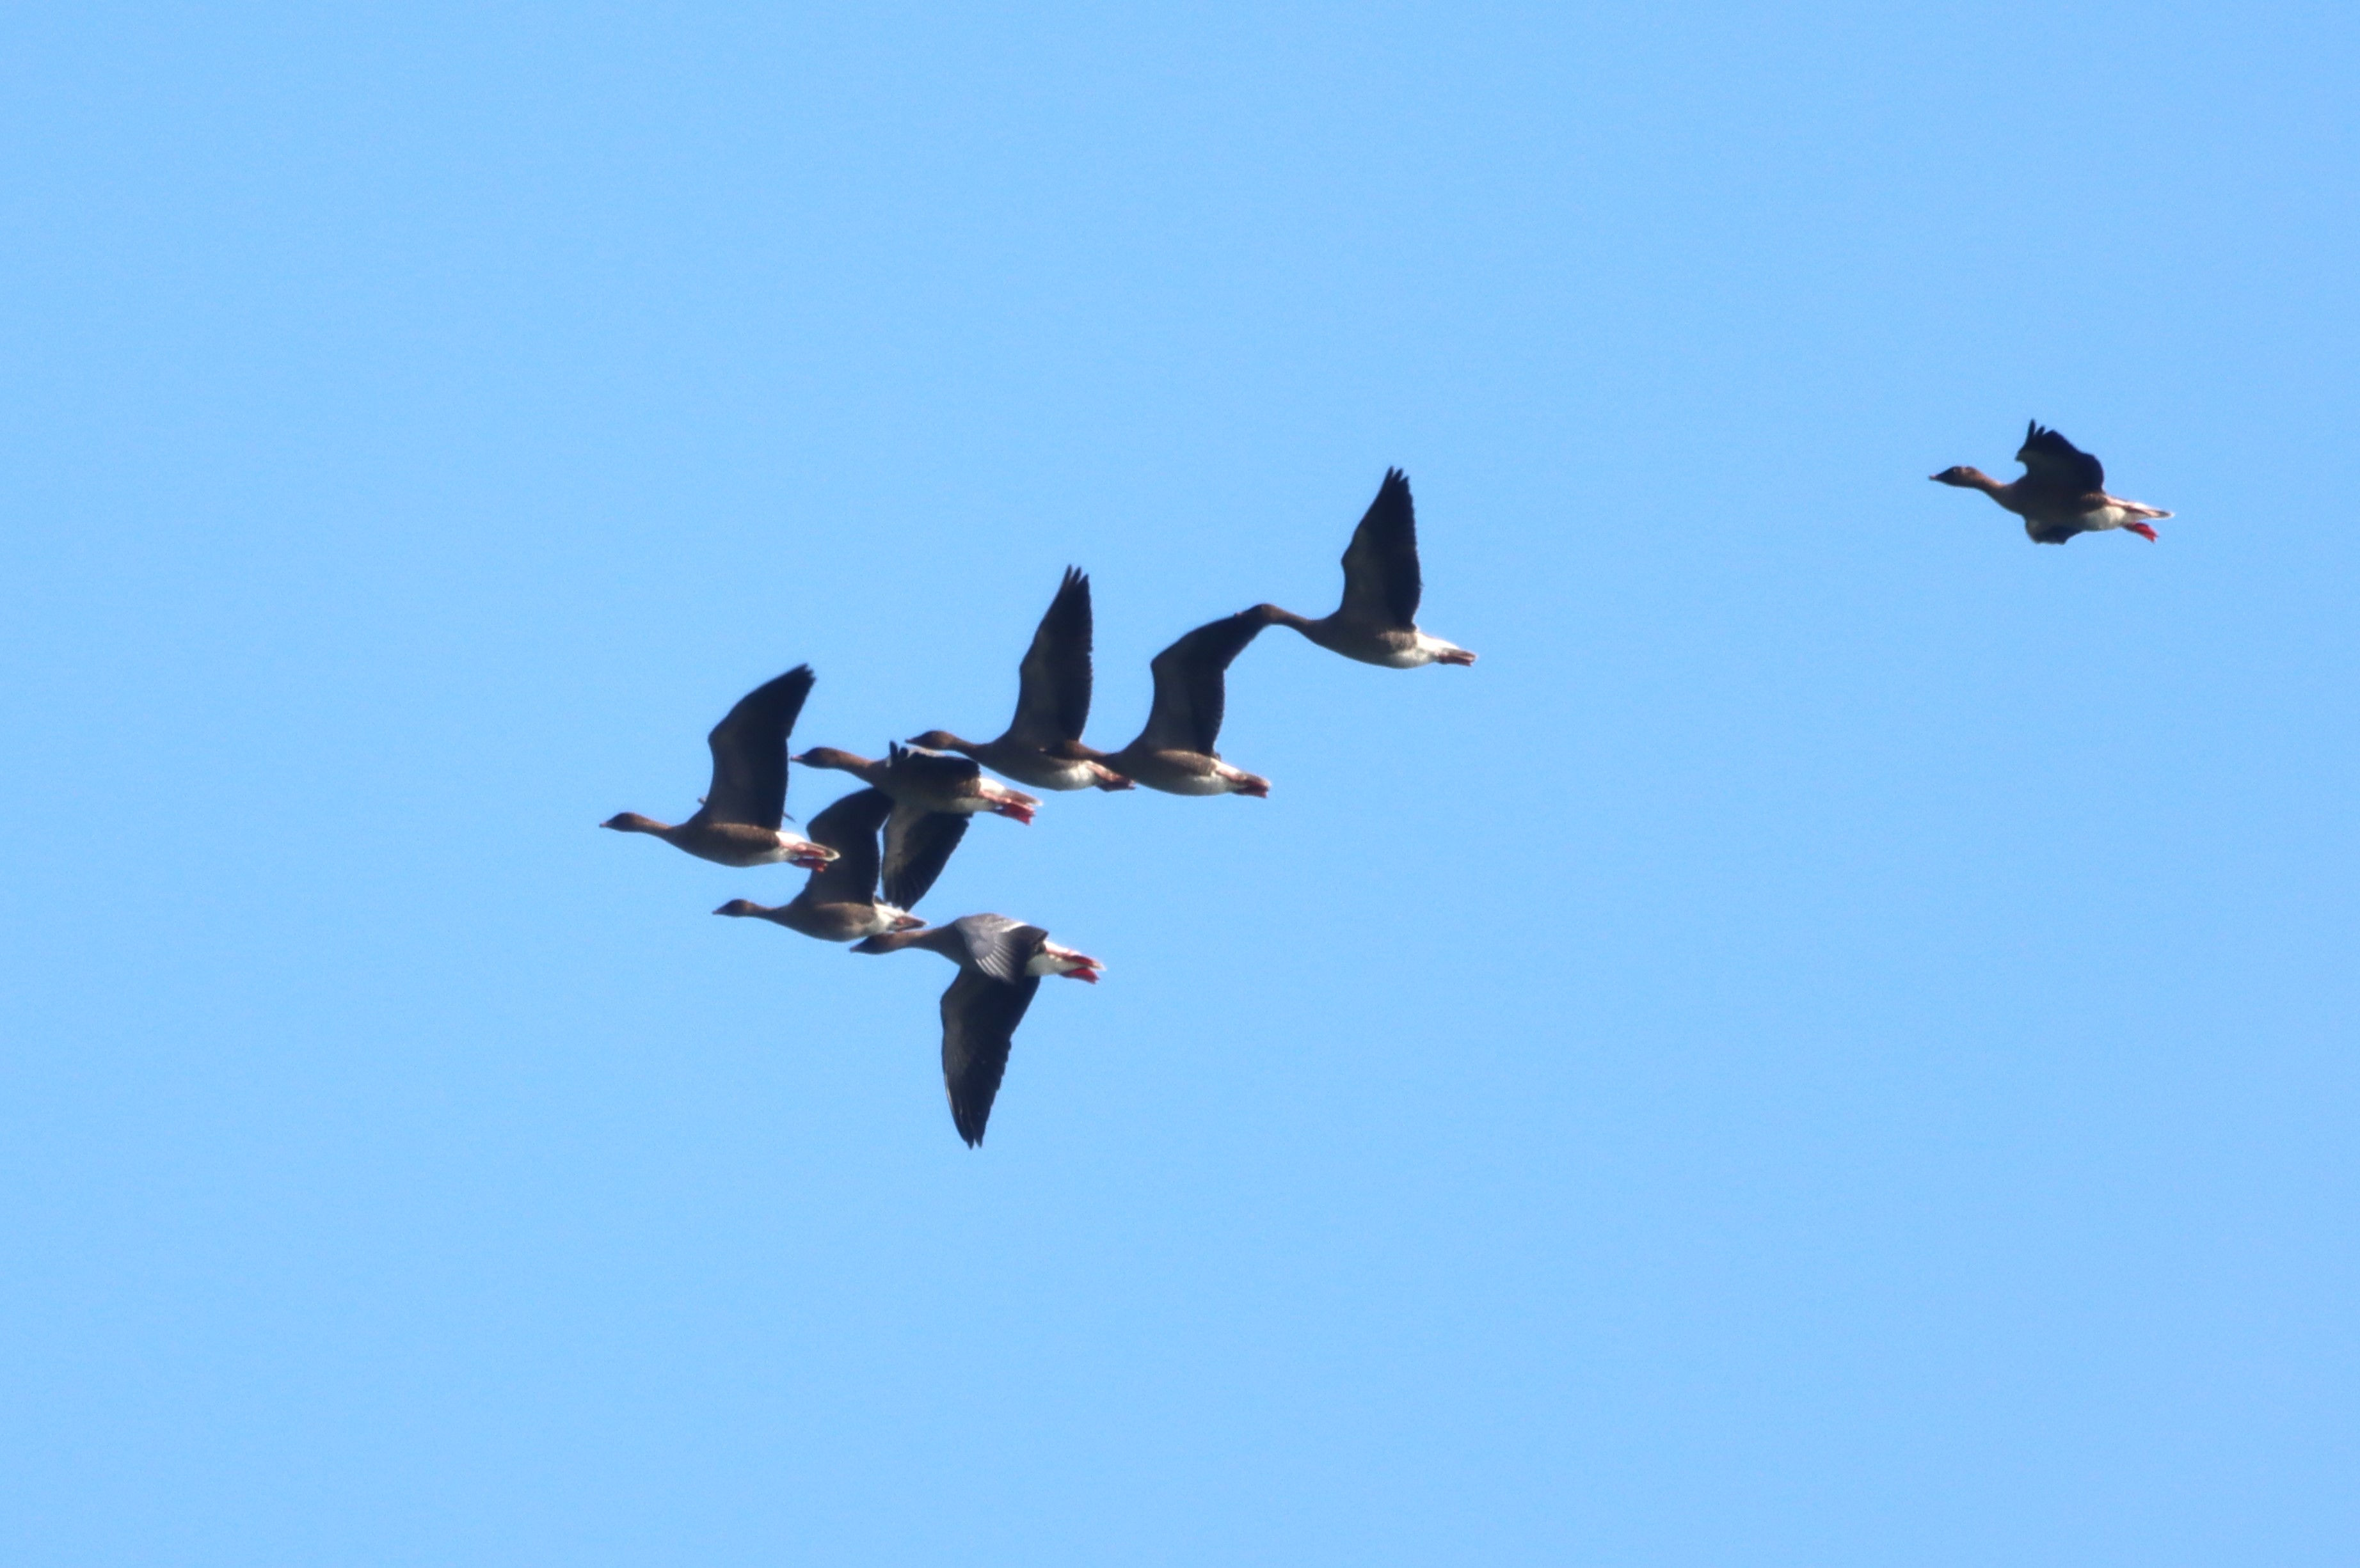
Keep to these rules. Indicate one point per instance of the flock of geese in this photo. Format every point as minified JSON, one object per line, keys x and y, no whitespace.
{"x":901,"y":828}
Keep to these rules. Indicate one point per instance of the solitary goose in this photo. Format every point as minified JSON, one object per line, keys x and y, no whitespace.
{"x":839,"y":903}
{"x":933,"y":794}
{"x":1000,"y":964}
{"x":737,"y":823}
{"x":2063,"y":492}
{"x":1175,"y":753}
{"x":1377,"y":622}
{"x":1043,"y":746}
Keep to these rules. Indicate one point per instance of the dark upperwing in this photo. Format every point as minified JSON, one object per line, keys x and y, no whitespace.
{"x":850,"y":827}
{"x":1052,"y":699}
{"x":749,"y":752}
{"x":1382,"y":585}
{"x":2052,"y":461}
{"x":918,"y":844}
{"x":930,"y":769}
{"x":998,"y":946}
{"x":1190,"y":685}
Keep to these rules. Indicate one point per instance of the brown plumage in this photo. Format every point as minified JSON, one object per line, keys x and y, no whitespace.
{"x":1175,"y":753}
{"x":1042,"y":744}
{"x":1002,"y":963}
{"x":739,"y":822}
{"x":933,"y":794}
{"x":2062,"y":491}
{"x":839,"y":902}
{"x":1376,"y":621}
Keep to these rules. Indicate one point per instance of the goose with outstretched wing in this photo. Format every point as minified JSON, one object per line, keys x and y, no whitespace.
{"x":1376,"y":621}
{"x":1042,"y":744}
{"x":1175,"y":753}
{"x":2062,"y":491}
{"x":739,"y":821}
{"x":1002,"y":963}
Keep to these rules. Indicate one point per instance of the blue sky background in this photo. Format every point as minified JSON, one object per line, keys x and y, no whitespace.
{"x":1832,"y":1045}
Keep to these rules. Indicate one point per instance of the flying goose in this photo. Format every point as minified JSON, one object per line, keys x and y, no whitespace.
{"x":1377,"y":622}
{"x":1043,"y":745}
{"x":1175,"y":753}
{"x":738,"y":822}
{"x":933,"y":794}
{"x":1001,"y":963}
{"x":2063,"y":492}
{"x":839,"y":903}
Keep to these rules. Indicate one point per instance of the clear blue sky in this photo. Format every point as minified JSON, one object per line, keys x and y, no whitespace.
{"x":1832,"y":1045}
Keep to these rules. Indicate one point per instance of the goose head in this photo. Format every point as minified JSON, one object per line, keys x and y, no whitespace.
{"x":631,"y":822}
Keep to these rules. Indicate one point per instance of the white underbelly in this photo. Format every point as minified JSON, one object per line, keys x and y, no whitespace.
{"x":1050,"y":775}
{"x":1192,"y":784}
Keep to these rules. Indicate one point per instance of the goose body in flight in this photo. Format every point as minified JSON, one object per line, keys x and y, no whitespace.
{"x":1175,"y":753}
{"x":1376,"y":621}
{"x":933,"y":794}
{"x":1042,"y":744}
{"x":1000,"y":967}
{"x":2062,"y":491}
{"x":739,"y":823}
{"x":839,"y":902}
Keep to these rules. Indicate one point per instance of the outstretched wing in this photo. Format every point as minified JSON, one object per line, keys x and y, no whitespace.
{"x":1052,"y":699}
{"x":2054,"y":460}
{"x":1382,"y":585}
{"x":749,"y":752}
{"x":1191,"y":684}
{"x":998,"y":946}
{"x":918,"y":844}
{"x":850,"y":827}
{"x":980,"y":1020}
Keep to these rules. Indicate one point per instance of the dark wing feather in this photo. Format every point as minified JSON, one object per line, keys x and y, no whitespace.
{"x":918,"y":844}
{"x":1052,"y":699}
{"x":2054,"y":460}
{"x":998,"y":946}
{"x":938,"y":772}
{"x":1382,"y":585}
{"x":850,"y":827}
{"x":980,"y":1020}
{"x":1191,"y":688}
{"x":749,"y":752}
